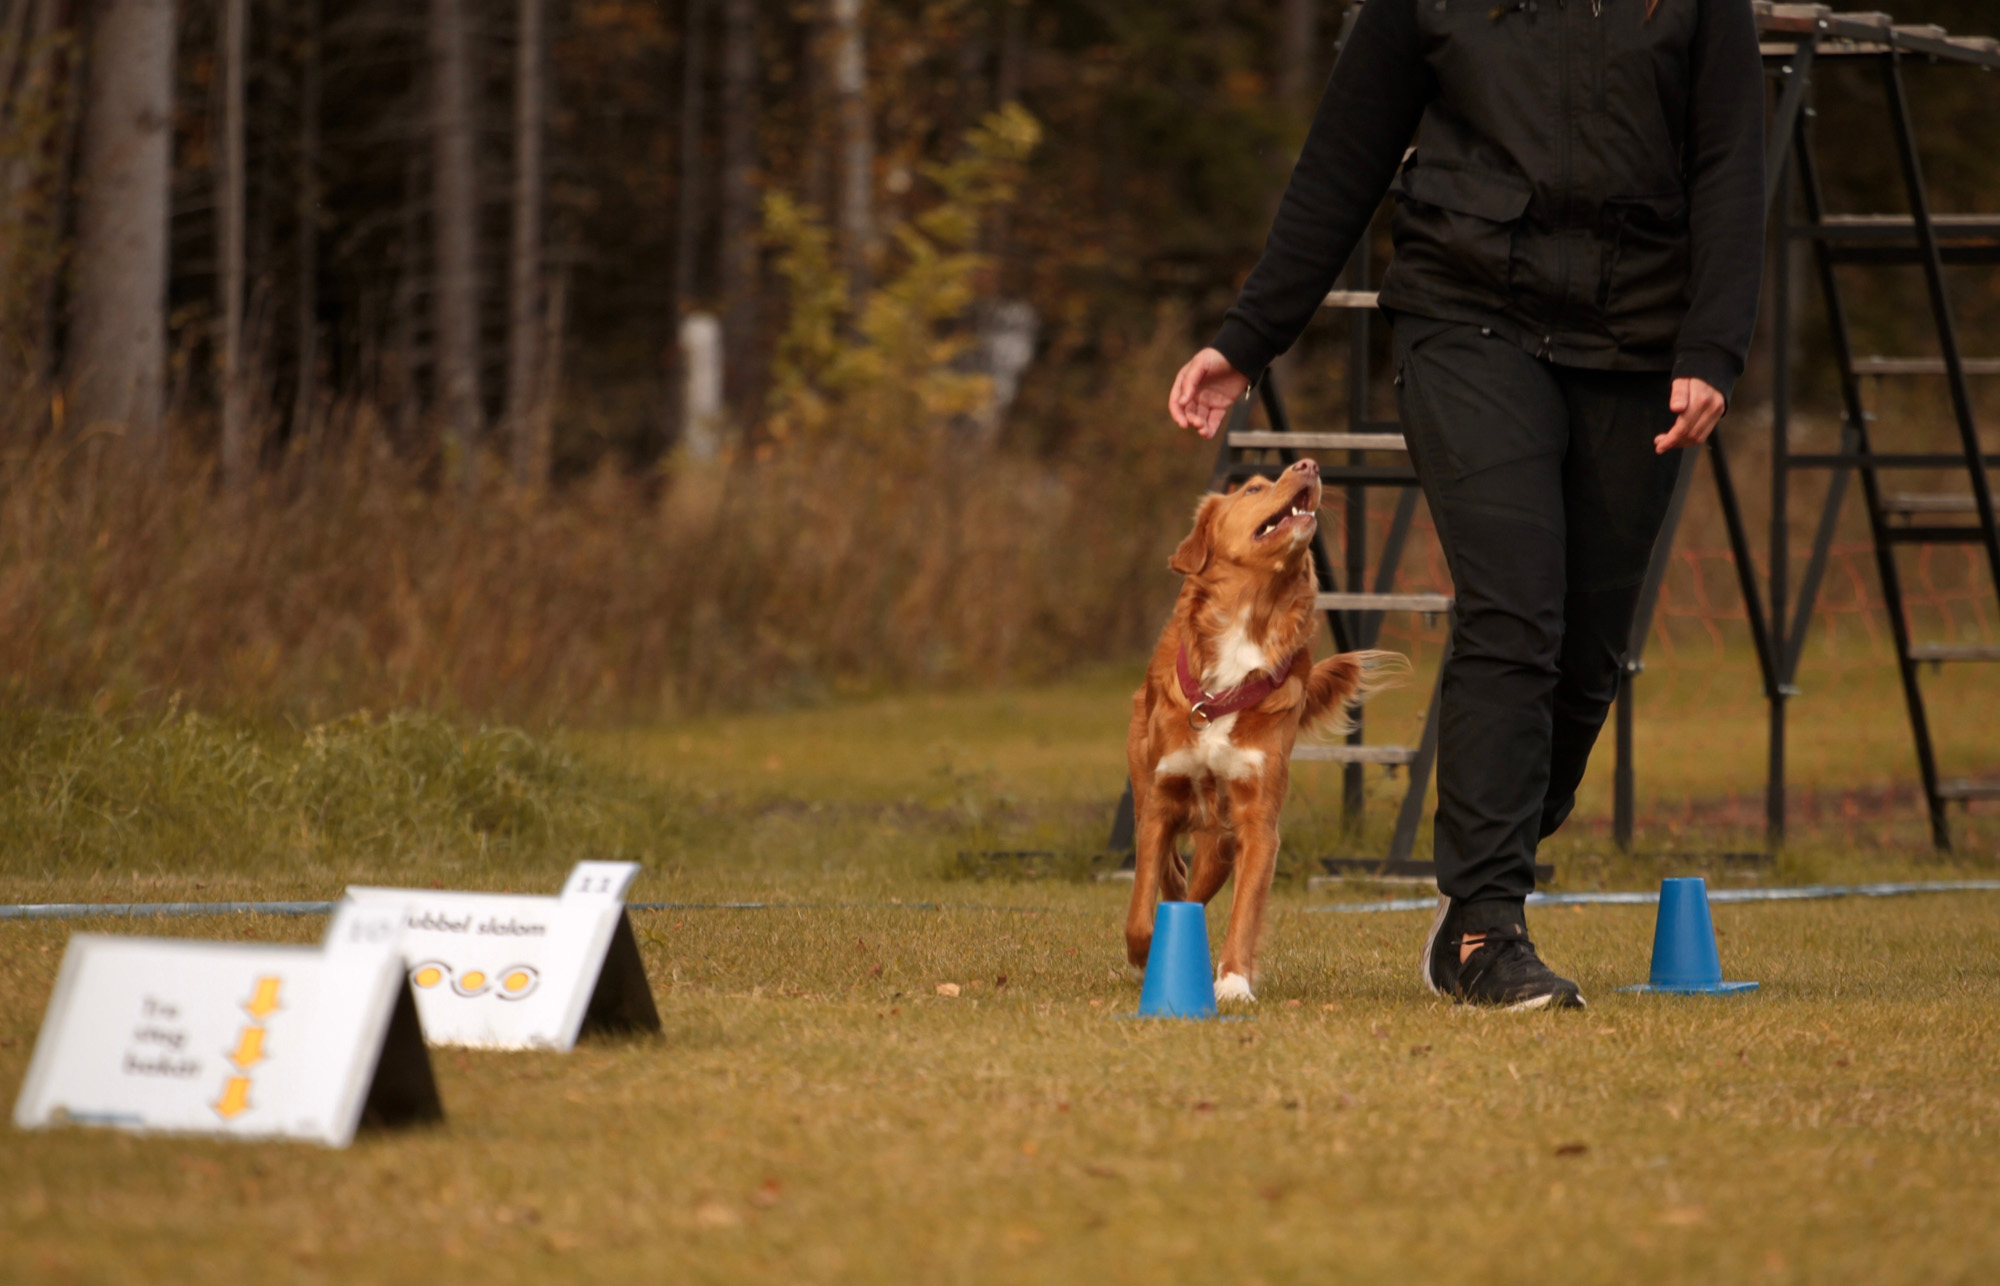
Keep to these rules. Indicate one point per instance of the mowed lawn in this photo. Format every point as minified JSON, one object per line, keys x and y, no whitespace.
{"x":816,"y":1110}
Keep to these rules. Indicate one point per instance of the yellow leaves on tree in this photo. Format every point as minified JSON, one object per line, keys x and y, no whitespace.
{"x":889,"y":369}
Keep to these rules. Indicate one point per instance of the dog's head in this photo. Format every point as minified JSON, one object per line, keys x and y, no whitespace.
{"x":1262,"y":525}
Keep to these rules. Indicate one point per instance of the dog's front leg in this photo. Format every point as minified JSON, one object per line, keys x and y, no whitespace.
{"x":1161,"y":811}
{"x":1256,"y":864}
{"x":1214,"y":859}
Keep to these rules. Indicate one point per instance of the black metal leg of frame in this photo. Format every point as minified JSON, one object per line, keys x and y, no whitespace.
{"x":1624,"y":797}
{"x":1412,"y":811}
{"x":1623,"y":785}
{"x":1122,"y":824}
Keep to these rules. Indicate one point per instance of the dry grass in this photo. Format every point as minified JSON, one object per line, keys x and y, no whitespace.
{"x":347,"y":580}
{"x":814,"y":1111}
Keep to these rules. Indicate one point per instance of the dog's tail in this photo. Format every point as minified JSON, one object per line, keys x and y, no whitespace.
{"x":1340,"y":683}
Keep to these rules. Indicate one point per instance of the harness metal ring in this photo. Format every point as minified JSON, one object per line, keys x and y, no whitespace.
{"x":1196,"y":709}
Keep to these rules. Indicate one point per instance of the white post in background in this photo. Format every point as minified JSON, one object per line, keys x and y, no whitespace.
{"x":701,"y":385}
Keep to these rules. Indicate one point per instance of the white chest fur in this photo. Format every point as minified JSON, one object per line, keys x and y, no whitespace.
{"x":1213,"y":754}
{"x":1236,"y":657}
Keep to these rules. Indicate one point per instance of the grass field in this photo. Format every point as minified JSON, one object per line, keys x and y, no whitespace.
{"x":816,"y":1110}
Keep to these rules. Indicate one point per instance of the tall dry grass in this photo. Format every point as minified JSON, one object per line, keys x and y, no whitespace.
{"x":345,"y":582}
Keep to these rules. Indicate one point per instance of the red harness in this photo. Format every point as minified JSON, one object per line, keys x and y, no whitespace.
{"x":1212,"y":706}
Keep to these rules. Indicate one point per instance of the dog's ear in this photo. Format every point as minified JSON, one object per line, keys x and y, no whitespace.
{"x":1192,"y":556}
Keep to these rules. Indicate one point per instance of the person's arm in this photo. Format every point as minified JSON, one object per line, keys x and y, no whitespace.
{"x":1725,"y":151}
{"x":1373,"y":101}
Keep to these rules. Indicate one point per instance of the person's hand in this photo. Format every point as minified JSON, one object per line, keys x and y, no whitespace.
{"x":1204,"y":391}
{"x":1700,"y":406}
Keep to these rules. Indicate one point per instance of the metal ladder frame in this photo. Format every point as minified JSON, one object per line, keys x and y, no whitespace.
{"x":1797,"y":38}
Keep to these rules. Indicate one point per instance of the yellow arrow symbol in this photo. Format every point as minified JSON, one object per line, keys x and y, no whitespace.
{"x":249,"y":1048}
{"x":235,"y":1099}
{"x":264,"y":1002}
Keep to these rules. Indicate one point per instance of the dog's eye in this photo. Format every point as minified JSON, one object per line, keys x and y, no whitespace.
{"x":1252,"y":490}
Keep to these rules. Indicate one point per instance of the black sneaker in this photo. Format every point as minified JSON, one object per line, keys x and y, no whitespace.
{"x":1505,"y":971}
{"x":1438,"y":966}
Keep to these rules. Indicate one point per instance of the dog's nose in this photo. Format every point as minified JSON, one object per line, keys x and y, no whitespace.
{"x":1306,"y":466}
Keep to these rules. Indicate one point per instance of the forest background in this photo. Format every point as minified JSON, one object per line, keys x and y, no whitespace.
{"x":352,"y":353}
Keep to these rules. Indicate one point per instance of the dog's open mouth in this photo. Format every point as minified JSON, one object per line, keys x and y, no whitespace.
{"x":1299,"y":508}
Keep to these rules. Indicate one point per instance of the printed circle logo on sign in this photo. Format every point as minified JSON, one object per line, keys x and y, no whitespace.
{"x":515,"y":982}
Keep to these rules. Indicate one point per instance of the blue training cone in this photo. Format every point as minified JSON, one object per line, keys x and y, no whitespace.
{"x":1180,"y":983}
{"x":1685,"y":962}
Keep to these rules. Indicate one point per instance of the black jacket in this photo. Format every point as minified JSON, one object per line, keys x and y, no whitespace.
{"x":1587,"y":181}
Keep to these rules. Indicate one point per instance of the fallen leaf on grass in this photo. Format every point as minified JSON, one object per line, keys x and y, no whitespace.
{"x":1000,"y":982}
{"x":768,"y":1194}
{"x":947,"y":989}
{"x":1418,"y":1051}
{"x":714,"y":1214}
{"x":1294,"y":1003}
{"x":1573,"y":1150}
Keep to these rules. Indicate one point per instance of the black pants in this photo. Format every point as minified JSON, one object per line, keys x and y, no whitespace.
{"x":1547,"y":495}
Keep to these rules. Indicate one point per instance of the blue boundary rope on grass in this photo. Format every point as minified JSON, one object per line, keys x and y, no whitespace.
{"x":1801,"y":893}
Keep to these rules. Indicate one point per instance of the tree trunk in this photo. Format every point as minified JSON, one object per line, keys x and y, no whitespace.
{"x":739,"y":200}
{"x":38,"y":118}
{"x":1007,"y":89}
{"x":308,"y":216}
{"x":527,"y":442}
{"x":119,"y":331}
{"x":687,"y":230}
{"x":856,"y":221}
{"x":688,"y":217}
{"x":1013,"y":42}
{"x":816,"y":184}
{"x":1300,"y":41}
{"x":406,"y":393}
{"x":239,"y":455}
{"x":455,"y":231}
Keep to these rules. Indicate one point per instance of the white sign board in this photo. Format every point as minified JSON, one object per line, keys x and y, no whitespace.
{"x":239,"y":1039}
{"x":505,"y":971}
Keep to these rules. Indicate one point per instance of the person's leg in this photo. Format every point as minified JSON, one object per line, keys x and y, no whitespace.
{"x":1488,"y":432}
{"x":1616,"y":489}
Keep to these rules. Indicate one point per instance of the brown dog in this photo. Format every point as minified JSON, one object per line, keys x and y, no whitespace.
{"x":1230,"y":687}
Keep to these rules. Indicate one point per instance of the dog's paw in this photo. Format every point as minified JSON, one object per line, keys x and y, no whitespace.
{"x":1137,"y":973}
{"x":1233,"y":986}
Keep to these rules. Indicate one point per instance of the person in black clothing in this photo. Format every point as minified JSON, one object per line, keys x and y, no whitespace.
{"x":1578,"y":252}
